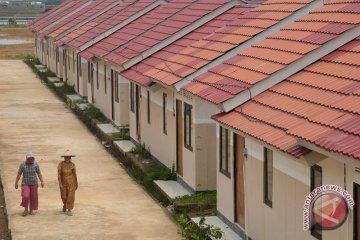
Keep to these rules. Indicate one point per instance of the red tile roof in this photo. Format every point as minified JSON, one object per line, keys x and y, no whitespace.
{"x":276,"y":52}
{"x":151,"y":29}
{"x":224,"y":39}
{"x":319,"y":105}
{"x":104,"y":22}
{"x":136,"y":73}
{"x":40,"y":25}
{"x":77,"y":18}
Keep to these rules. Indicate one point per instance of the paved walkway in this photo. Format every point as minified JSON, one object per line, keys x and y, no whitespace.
{"x":109,"y":204}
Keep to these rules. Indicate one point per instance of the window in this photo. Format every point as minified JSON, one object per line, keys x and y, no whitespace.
{"x":97,"y":76}
{"x":69,"y":60}
{"x":79,"y":65}
{"x":188,"y":126}
{"x":268,"y":176}
{"x":224,"y":151}
{"x":89,"y":72}
{"x":164,"y":114}
{"x":132,"y":95}
{"x":105,"y":78}
{"x":115,"y":77}
{"x":316,"y":181}
{"x":148,"y":107}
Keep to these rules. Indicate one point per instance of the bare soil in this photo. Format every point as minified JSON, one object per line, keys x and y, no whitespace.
{"x":18,"y":51}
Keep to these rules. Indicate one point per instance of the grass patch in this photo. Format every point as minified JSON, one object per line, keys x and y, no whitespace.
{"x":156,"y":172}
{"x":141,"y":150}
{"x":122,"y":135}
{"x":202,"y":197}
{"x":93,"y":112}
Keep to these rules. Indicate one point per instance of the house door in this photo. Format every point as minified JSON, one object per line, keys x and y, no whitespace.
{"x":356,"y":212}
{"x":138,"y":126}
{"x":57,"y":60}
{"x":92,"y":82}
{"x":239,"y":145}
{"x":179,"y":138}
{"x":78,"y":64}
{"x":65,"y":65}
{"x":113,"y":78}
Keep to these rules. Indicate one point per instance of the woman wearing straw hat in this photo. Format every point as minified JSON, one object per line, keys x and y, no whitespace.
{"x":30,"y":171}
{"x":67,"y":182}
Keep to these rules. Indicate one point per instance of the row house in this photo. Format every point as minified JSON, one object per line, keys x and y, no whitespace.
{"x":282,"y":133}
{"x":181,"y":122}
{"x":255,"y":99}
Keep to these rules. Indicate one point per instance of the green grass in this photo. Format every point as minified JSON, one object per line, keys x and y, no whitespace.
{"x":93,"y":112}
{"x":141,"y":150}
{"x":122,"y":135}
{"x":203,"y":197}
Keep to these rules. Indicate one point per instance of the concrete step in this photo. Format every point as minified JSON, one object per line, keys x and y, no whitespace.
{"x":53,"y":79}
{"x":172,"y":189}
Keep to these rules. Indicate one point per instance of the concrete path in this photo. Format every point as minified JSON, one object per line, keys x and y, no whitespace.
{"x":109,"y":204}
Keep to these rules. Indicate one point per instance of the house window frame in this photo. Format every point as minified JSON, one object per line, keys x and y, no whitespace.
{"x":132,"y":97}
{"x":105,"y":79}
{"x":79,"y":65}
{"x":267,"y":199}
{"x":188,"y":126}
{"x":226,"y":170}
{"x":314,"y":231}
{"x":164,"y":113}
{"x":97,"y":76}
{"x":148,"y":108}
{"x":116,"y":85}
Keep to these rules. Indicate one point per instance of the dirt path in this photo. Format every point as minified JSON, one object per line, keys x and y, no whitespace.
{"x":109,"y":204}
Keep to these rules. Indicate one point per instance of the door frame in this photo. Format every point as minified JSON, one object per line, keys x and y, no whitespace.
{"x":179,"y":161}
{"x":235,"y":142}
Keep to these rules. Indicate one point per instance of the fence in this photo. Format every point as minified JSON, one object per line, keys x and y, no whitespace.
{"x":15,"y":20}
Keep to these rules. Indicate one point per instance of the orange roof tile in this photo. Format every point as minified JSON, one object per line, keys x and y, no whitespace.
{"x":291,"y":43}
{"x":311,"y":105}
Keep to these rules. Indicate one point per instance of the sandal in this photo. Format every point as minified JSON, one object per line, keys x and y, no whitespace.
{"x":25,"y":213}
{"x":69,"y":213}
{"x":64,"y":209}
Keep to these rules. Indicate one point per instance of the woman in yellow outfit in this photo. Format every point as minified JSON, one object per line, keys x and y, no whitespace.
{"x":67,"y":182}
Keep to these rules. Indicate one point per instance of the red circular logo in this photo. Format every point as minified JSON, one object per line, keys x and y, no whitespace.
{"x":329,"y":210}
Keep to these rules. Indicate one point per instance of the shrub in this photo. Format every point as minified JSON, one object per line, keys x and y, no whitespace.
{"x":122,"y":135}
{"x":93,"y":112}
{"x":198,"y":231}
{"x":141,"y":150}
{"x":156,"y":172}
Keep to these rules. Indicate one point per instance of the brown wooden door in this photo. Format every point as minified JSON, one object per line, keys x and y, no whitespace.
{"x":179,"y":138}
{"x":112,"y":94}
{"x":78,"y":66}
{"x":138,"y":125}
{"x":239,"y":180}
{"x":357,"y":212}
{"x":65,"y":65}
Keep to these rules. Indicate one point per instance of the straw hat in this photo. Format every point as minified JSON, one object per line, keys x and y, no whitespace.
{"x":67,"y":153}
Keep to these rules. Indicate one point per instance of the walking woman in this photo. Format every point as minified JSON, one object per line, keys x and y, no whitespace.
{"x":30,"y":170}
{"x":67,"y":182}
